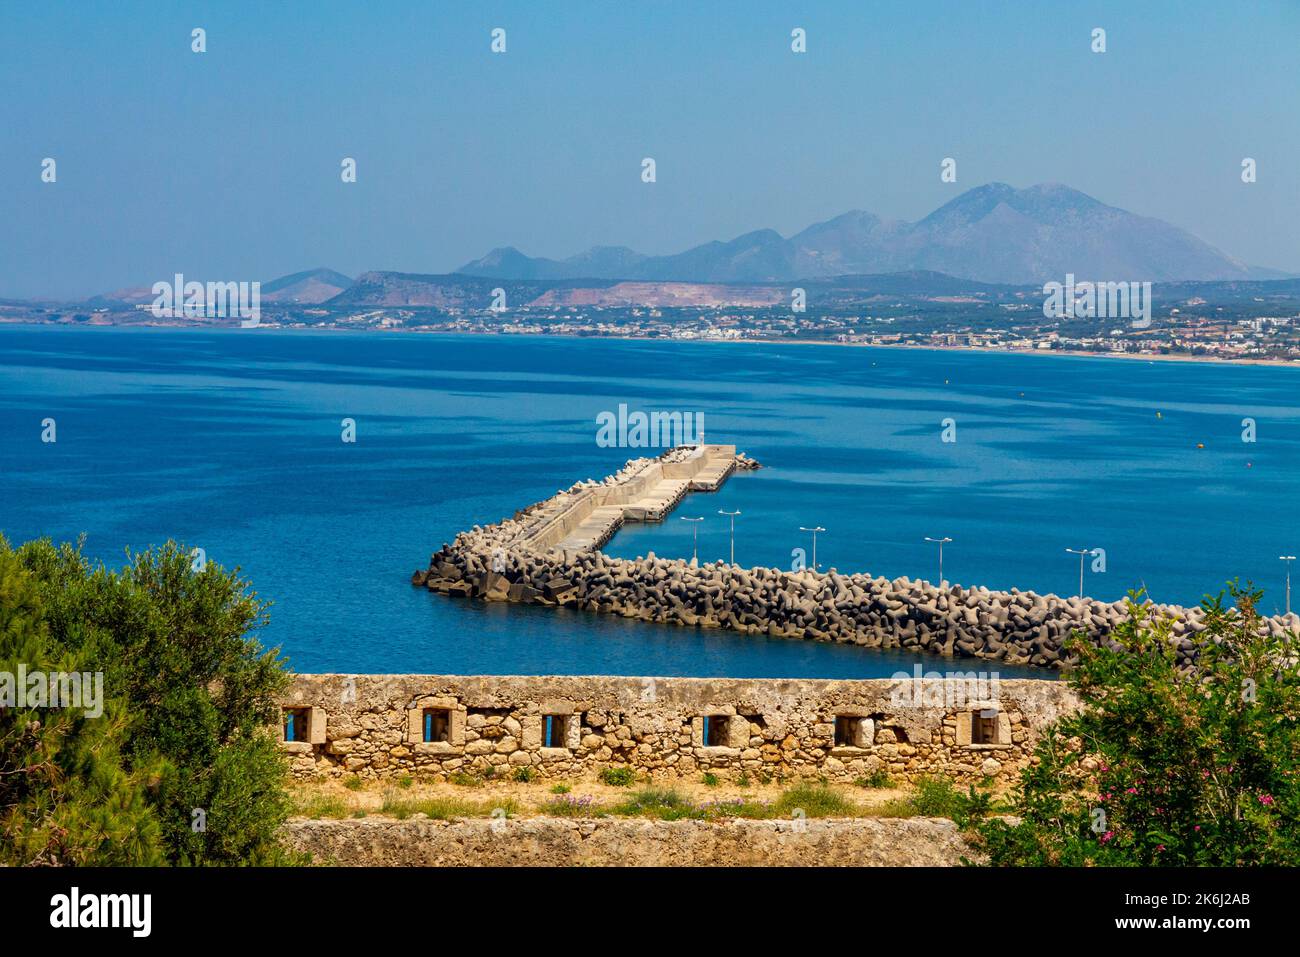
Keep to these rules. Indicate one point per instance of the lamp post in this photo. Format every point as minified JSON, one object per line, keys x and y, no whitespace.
{"x":940,"y":543}
{"x":733,"y":531}
{"x":1288,"y":559}
{"x":695,"y":539}
{"x":1082,"y":553}
{"x":815,"y":529}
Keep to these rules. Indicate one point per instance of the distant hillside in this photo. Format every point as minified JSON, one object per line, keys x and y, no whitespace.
{"x":458,"y":291}
{"x":993,"y":233}
{"x":311,"y":286}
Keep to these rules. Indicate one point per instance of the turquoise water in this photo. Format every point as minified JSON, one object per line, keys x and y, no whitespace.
{"x":231,"y":441}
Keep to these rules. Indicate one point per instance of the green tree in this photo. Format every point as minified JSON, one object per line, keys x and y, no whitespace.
{"x":65,"y":796}
{"x":1167,"y":764}
{"x":175,"y":643}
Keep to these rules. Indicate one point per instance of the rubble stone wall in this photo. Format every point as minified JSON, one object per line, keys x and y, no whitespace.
{"x":966,"y":728}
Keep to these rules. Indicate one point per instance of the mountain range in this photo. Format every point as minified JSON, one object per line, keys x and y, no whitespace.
{"x":993,"y":233}
{"x":989,"y":238}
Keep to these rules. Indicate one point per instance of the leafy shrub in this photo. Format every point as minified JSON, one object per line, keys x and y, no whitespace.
{"x":710,"y":779}
{"x":618,"y":777}
{"x":814,"y":800}
{"x":935,"y":797}
{"x":523,"y":775}
{"x":662,"y":803}
{"x":195,"y":697}
{"x":939,"y":797}
{"x":876,"y":780}
{"x":1168,"y":767}
{"x":67,"y":795}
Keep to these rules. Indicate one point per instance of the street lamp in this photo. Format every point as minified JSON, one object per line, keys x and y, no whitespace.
{"x":733,"y":531}
{"x":695,"y":540}
{"x":939,"y":542}
{"x":815,"y":529}
{"x":1288,"y":559}
{"x":1082,"y":553}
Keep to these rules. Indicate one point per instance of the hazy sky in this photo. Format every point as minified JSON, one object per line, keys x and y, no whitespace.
{"x":225,"y":165}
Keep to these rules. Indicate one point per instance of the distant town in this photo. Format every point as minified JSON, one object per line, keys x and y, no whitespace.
{"x":1255,"y":321}
{"x":1206,"y":336}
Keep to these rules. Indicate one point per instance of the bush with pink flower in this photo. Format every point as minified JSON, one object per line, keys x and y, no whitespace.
{"x":1164,"y":766}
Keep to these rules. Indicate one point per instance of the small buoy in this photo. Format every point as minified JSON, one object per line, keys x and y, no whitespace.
{"x":1250,"y":465}
{"x":1200,"y":445}
{"x":1022,"y":395}
{"x":1160,"y":415}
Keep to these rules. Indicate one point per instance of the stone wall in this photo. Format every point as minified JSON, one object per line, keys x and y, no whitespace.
{"x":557,"y":842}
{"x":570,"y":727}
{"x":517,"y":560}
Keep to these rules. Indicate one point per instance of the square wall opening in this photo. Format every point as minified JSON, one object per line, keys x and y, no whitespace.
{"x":715,"y":730}
{"x":555,"y":731}
{"x":850,"y":731}
{"x":297,"y":724}
{"x":984,"y":727}
{"x":437,"y":725}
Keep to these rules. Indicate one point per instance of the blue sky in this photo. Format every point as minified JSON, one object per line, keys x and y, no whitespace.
{"x":226,"y":164}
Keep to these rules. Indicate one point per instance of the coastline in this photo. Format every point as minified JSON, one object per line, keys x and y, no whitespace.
{"x":1057,"y":353}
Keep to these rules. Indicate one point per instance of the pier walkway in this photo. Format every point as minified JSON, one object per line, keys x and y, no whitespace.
{"x":587,"y":517}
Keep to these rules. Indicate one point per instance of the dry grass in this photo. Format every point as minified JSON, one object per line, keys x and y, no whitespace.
{"x":351,"y":796}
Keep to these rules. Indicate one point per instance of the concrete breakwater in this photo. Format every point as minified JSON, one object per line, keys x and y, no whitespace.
{"x":549,"y":554}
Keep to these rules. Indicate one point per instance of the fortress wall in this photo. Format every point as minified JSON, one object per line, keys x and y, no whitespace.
{"x":379,"y":726}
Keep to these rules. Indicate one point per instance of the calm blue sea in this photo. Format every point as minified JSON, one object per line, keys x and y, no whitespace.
{"x":231,"y":441}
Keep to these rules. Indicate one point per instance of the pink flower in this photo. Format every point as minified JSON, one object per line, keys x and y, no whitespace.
{"x":1266,"y":799}
{"x":1131,"y":791}
{"x":1107,"y":836}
